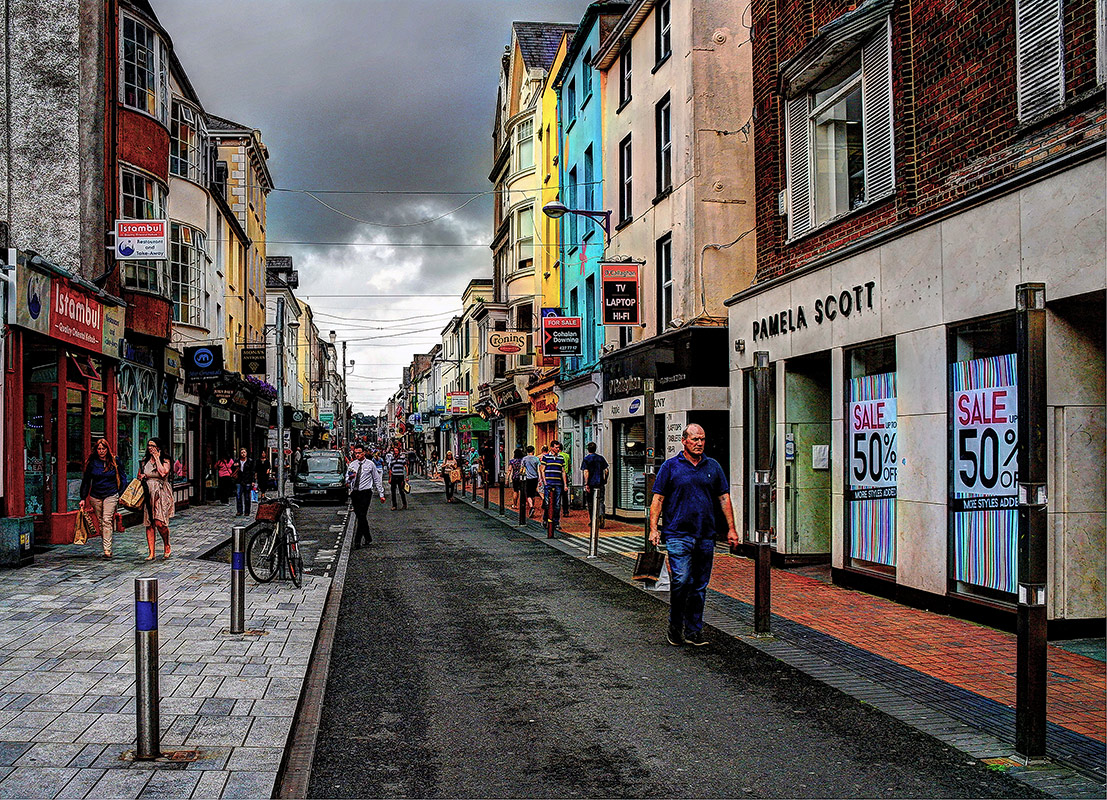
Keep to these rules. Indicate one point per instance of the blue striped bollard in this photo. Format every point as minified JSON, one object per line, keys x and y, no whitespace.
{"x":147,"y":695}
{"x":238,"y":579}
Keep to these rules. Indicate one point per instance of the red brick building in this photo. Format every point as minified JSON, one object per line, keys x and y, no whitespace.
{"x":916,"y":162}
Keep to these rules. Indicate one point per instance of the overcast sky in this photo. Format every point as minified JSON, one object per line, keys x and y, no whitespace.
{"x":374,"y":98}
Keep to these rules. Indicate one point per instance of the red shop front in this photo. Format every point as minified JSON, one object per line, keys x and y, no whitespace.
{"x":59,"y":395}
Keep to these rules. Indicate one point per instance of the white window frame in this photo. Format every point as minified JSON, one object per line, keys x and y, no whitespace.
{"x":878,"y":137}
{"x":663,"y":124}
{"x":626,"y":182}
{"x":625,"y":75}
{"x":187,"y":259}
{"x":150,"y":58}
{"x":663,"y":32}
{"x":143,"y":275}
{"x":522,"y":223}
{"x":1039,"y":56}
{"x":524,"y":137}
{"x":187,"y":154}
{"x":665,"y":297}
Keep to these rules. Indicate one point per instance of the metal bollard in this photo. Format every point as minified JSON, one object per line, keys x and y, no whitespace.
{"x":463,"y":482}
{"x":501,"y":496}
{"x":521,"y":498}
{"x":486,"y":493}
{"x":594,"y":533}
{"x":238,"y":579}
{"x":147,"y":695}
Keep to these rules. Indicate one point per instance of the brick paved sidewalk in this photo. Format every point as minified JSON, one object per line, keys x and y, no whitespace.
{"x":853,"y":639}
{"x":67,"y":722}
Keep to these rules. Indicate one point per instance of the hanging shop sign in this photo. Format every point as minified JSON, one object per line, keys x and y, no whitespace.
{"x":619,"y":291}
{"x":562,"y":337}
{"x":253,"y":360}
{"x":457,"y":402}
{"x":872,"y":449}
{"x":507,"y":343}
{"x":326,"y":418}
{"x":141,"y":238}
{"x":203,"y":363}
{"x":172,"y":362}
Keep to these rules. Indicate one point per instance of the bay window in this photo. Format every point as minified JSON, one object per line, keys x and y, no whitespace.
{"x":144,"y":64}
{"x":142,"y":197}
{"x":187,"y":143}
{"x":186,"y":269}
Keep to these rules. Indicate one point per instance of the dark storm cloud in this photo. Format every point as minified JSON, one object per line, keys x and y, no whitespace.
{"x":395,"y":96}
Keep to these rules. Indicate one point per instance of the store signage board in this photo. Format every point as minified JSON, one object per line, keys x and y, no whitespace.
{"x":55,"y":307}
{"x":141,"y":238}
{"x":457,"y":402}
{"x":253,"y":360}
{"x":507,"y":343}
{"x":619,"y":292}
{"x":562,"y":337}
{"x":203,"y":363}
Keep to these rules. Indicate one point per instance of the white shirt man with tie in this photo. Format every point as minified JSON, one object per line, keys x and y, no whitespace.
{"x":362,"y":477}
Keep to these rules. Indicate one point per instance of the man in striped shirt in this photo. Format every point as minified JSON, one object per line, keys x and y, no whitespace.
{"x":552,"y":466}
{"x":397,"y":475}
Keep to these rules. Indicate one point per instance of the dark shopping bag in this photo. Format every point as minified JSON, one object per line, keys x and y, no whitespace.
{"x":647,"y":566}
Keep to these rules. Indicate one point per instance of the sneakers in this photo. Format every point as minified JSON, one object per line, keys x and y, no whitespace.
{"x":676,"y":638}
{"x":695,"y":639}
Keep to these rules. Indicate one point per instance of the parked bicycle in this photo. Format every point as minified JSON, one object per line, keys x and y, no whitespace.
{"x":275,"y":546}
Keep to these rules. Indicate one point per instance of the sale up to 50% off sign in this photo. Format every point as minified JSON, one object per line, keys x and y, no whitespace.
{"x":872,"y":449}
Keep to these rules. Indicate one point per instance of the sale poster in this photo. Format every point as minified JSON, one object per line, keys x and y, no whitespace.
{"x":872,"y":458}
{"x":984,"y":467}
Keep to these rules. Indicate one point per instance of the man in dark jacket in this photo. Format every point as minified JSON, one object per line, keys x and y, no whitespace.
{"x":243,"y":482}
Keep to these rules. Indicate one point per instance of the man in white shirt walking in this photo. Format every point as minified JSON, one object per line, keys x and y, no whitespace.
{"x":362,"y":477}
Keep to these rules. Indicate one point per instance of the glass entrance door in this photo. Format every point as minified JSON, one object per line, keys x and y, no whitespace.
{"x":38,"y":451}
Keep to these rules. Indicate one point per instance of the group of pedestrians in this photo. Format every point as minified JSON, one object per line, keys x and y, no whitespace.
{"x":104,"y":481}
{"x":245,"y":478}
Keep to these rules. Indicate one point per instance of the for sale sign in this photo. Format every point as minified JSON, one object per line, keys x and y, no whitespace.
{"x":872,"y":448}
{"x":141,"y":238}
{"x":619,"y":291}
{"x":985,"y":442}
{"x":562,"y":337}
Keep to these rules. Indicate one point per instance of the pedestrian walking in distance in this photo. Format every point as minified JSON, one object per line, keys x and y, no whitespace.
{"x":101,"y":484}
{"x":160,"y":505}
{"x":225,"y":467}
{"x":264,"y":474}
{"x":397,"y":476}
{"x":687,"y":490}
{"x":530,"y":480}
{"x":362,"y":477}
{"x":446,"y":469}
{"x":595,"y":469}
{"x":243,"y":483}
{"x":553,"y":481}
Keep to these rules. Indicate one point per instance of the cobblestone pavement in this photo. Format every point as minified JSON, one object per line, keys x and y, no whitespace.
{"x":67,"y":720}
{"x":946,"y":676}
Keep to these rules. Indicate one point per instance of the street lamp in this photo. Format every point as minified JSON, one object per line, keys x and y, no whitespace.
{"x":556,"y":210}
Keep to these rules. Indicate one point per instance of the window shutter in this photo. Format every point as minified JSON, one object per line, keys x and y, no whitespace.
{"x":798,"y":164}
{"x":876,"y":91}
{"x":1039,"y":57}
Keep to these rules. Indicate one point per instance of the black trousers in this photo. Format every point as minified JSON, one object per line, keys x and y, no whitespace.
{"x":397,"y":482}
{"x":360,"y":501}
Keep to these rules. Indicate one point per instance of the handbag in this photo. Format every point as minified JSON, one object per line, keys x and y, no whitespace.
{"x":647,"y":566}
{"x":83,"y":528}
{"x":455,"y":475}
{"x":117,"y":522}
{"x":407,"y":487}
{"x":133,"y":495}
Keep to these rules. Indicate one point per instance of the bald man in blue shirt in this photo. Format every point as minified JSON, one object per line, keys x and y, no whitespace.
{"x":688,"y":488}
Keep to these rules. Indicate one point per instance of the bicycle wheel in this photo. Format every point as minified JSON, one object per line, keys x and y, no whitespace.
{"x":261,"y":555}
{"x":295,"y":562}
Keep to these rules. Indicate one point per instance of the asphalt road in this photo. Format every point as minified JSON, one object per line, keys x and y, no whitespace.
{"x":473,"y":661}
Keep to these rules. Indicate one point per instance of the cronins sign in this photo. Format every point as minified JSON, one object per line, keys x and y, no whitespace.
{"x":846,"y":303}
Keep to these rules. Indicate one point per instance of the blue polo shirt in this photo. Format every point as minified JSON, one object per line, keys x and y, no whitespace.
{"x":691,"y":493}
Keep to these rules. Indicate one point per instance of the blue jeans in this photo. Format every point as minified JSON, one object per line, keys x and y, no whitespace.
{"x":690,"y":562}
{"x":242,"y":497}
{"x":553,"y":503}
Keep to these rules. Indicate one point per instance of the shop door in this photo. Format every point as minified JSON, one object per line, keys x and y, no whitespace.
{"x":807,"y":455}
{"x":751,"y":455}
{"x":39,"y":460}
{"x":807,"y":478}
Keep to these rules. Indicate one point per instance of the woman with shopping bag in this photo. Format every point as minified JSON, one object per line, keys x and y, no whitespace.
{"x":101,"y":484}
{"x":450,"y":472}
{"x":160,"y":505}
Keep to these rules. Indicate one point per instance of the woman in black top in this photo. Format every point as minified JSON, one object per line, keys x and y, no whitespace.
{"x":101,"y":484}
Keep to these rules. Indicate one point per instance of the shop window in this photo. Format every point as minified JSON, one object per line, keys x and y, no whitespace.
{"x":75,"y":452}
{"x":983,"y":481}
{"x":182,"y":454}
{"x":871,"y":447}
{"x":838,"y":131}
{"x":630,"y":460}
{"x":138,"y":406}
